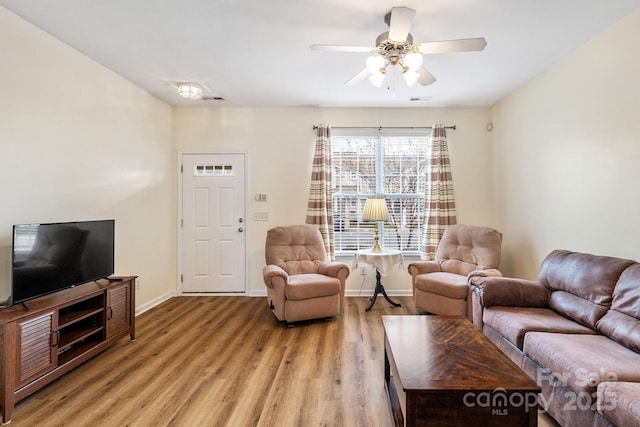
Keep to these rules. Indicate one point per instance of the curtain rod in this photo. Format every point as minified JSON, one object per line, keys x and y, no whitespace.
{"x":386,"y":127}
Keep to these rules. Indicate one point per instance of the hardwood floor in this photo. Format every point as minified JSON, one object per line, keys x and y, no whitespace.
{"x":226,"y":361}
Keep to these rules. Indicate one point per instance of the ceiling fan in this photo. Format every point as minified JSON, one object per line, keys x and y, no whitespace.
{"x":395,"y":47}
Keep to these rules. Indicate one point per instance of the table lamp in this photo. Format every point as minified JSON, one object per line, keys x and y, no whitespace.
{"x":375,"y":209}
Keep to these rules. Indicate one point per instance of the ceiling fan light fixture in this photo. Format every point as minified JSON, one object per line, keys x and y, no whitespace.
{"x":189,"y":90}
{"x":375,"y":63}
{"x":396,"y":47}
{"x":411,"y":77}
{"x":376,"y":79}
{"x":413,"y":61}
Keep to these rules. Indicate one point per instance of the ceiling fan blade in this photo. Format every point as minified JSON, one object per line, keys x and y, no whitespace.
{"x":358,"y":78}
{"x":336,"y":48}
{"x":426,"y":78}
{"x":400,"y":23}
{"x":446,"y":46}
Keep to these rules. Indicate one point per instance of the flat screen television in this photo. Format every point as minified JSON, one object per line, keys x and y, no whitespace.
{"x":50,"y":257}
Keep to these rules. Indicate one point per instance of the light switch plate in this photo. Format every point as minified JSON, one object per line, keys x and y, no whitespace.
{"x":261,"y":216}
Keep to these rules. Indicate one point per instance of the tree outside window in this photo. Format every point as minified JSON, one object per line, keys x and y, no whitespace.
{"x":390,"y":166}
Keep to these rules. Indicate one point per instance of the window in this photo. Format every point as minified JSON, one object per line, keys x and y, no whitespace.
{"x":390,"y":164}
{"x":24,"y":237}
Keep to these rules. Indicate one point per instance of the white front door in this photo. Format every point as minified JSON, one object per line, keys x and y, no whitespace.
{"x":213,"y":223}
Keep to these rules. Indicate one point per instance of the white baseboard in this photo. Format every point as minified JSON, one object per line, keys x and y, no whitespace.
{"x":351,"y":293}
{"x":213,"y":294}
{"x":369,"y":292}
{"x":156,"y":301}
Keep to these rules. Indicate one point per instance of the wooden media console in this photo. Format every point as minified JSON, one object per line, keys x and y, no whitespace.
{"x":58,"y":332}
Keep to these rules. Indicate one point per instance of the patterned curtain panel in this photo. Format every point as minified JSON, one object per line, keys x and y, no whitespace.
{"x":319,"y":207}
{"x":440,"y":204}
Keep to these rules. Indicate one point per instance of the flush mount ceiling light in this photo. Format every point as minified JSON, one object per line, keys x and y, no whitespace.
{"x":395,"y":47}
{"x":189,"y":90}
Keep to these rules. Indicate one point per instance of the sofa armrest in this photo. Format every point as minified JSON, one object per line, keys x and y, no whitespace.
{"x":488,"y":272}
{"x":507,"y":291}
{"x":271,"y":272}
{"x":334,"y":269}
{"x":422,"y":267}
{"x":504,"y":291}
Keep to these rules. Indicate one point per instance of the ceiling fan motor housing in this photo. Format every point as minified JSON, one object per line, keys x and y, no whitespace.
{"x":393,"y":51}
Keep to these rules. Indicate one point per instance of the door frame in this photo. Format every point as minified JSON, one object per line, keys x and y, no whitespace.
{"x":180,"y":229}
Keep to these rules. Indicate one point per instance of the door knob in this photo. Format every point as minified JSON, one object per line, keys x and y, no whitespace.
{"x":240,"y":229}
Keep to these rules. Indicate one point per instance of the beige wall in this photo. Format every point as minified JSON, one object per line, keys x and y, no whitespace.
{"x":567,"y":147}
{"x":279,"y":143}
{"x":79,"y":142}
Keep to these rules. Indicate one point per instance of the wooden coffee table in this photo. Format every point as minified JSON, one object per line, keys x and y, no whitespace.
{"x":442,"y":371}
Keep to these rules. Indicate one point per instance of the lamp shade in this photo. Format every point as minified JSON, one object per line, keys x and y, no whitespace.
{"x":189,"y":90}
{"x":375,"y":209}
{"x":413,"y":61}
{"x":374,"y":63}
{"x":376,"y":79}
{"x":411,"y":77}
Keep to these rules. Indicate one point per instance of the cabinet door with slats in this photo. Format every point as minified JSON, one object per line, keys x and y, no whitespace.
{"x":37,"y":347}
{"x":118,"y":309}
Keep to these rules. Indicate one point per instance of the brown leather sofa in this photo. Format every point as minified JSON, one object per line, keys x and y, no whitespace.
{"x":575,"y":331}
{"x":301,"y":282}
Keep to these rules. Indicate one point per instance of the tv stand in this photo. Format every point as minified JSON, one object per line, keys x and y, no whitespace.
{"x":58,"y":332}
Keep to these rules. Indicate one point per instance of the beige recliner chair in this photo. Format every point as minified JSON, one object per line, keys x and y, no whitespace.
{"x":440,"y":286}
{"x":302,"y":283}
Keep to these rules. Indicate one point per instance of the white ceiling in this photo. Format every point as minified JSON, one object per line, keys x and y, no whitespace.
{"x":256,"y":52}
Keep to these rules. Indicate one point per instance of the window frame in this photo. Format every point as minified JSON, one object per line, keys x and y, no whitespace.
{"x":364,"y":231}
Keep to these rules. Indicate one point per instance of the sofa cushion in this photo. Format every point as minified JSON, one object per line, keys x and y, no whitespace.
{"x":297,"y":249}
{"x":619,"y":402}
{"x":622,"y":321}
{"x":590,"y":278}
{"x":514,"y":322}
{"x":582,"y":361}
{"x":577,"y":308}
{"x":465,"y":248}
{"x":304,"y":286}
{"x":447,"y":284}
